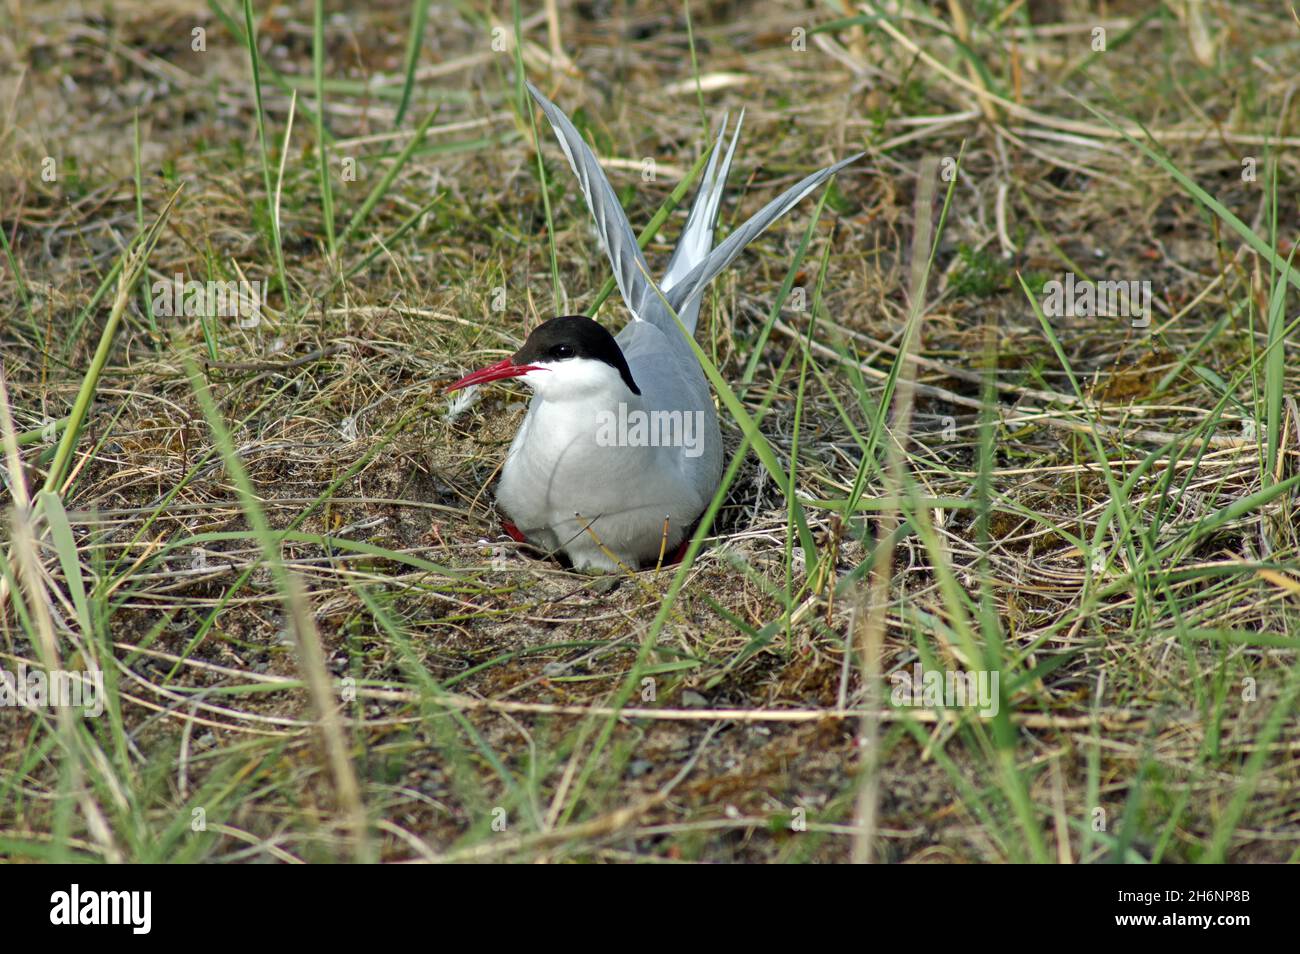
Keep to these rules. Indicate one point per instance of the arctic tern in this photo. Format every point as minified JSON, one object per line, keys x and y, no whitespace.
{"x":620,"y":450}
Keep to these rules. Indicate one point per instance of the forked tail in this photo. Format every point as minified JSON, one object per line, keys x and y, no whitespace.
{"x":695,"y":262}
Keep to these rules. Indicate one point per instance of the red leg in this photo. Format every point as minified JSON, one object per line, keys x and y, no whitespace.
{"x":679,"y":554}
{"x":513,"y":531}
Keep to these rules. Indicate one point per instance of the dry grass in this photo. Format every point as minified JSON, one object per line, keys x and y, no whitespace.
{"x":1147,"y":640}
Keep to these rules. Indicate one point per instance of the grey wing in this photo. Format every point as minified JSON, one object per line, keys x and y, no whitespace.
{"x":693,"y":284}
{"x":616,"y":235}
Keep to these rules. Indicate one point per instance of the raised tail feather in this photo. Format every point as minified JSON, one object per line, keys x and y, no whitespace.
{"x":686,"y":292}
{"x":695,"y":263}
{"x":696,"y":240}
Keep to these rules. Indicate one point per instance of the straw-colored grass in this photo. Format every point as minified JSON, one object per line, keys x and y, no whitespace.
{"x":277,"y":541}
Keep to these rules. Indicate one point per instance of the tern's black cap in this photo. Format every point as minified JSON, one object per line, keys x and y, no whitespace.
{"x":575,"y":336}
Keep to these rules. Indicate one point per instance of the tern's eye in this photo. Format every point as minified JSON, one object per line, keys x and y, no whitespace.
{"x":562,"y":351}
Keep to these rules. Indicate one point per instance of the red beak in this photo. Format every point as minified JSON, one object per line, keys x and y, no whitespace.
{"x":494,"y":372}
